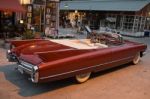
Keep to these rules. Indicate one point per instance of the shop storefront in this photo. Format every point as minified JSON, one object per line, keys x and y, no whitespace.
{"x":72,"y":18}
{"x":43,"y":16}
{"x":10,"y":14}
{"x":7,"y":22}
{"x":115,"y":15}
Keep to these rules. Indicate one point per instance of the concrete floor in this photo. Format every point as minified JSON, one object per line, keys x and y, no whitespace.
{"x":125,"y":82}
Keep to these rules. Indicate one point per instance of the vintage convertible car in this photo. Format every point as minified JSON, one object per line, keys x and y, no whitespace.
{"x":49,"y":60}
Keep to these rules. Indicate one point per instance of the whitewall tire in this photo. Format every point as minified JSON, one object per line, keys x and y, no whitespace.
{"x":83,"y":77}
{"x":136,"y":59}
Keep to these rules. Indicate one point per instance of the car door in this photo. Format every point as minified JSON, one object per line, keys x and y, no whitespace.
{"x":104,"y":59}
{"x":122,"y":54}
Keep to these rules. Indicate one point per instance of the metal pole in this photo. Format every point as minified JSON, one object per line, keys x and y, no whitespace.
{"x":40,"y":18}
{"x":134,"y":22}
{"x":45,"y":15}
{"x":122,"y":23}
{"x":57,"y":19}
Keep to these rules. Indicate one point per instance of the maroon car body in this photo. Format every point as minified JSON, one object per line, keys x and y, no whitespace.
{"x":49,"y":60}
{"x":30,"y":47}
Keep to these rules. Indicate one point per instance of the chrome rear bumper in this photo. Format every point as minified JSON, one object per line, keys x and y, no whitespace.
{"x":23,"y":70}
{"x":26,"y":68}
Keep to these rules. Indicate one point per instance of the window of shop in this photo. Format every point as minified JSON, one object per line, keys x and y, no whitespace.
{"x":133,"y":23}
{"x":38,"y":18}
{"x":7,"y":21}
{"x":111,"y":21}
{"x":71,"y":19}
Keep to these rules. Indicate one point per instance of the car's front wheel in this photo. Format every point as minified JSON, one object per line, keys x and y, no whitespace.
{"x":83,"y":77}
{"x":136,"y":59}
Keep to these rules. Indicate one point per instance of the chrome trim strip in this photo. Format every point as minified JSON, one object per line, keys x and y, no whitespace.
{"x":84,"y":68}
{"x":28,"y":65}
{"x":30,"y":71}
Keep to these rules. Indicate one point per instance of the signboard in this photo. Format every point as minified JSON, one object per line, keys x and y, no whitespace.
{"x":52,"y":17}
{"x":29,"y":15}
{"x":48,"y":15}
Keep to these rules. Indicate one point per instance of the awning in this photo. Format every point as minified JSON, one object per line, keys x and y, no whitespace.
{"x":104,"y":5}
{"x":11,"y":5}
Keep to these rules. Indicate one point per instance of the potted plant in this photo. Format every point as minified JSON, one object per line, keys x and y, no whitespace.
{"x":28,"y":34}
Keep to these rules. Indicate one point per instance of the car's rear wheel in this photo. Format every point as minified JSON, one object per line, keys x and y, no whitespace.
{"x":83,"y":77}
{"x":136,"y":59}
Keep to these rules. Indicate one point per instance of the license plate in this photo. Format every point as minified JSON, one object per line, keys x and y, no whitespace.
{"x":20,"y":70}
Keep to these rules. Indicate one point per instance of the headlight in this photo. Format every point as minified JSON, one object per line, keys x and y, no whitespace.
{"x":35,"y":75}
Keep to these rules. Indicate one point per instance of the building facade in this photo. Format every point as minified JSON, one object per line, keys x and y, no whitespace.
{"x":124,"y":15}
{"x":10,"y":14}
{"x":43,"y":15}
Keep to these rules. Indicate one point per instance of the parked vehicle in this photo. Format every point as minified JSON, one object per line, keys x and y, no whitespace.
{"x":49,"y":60}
